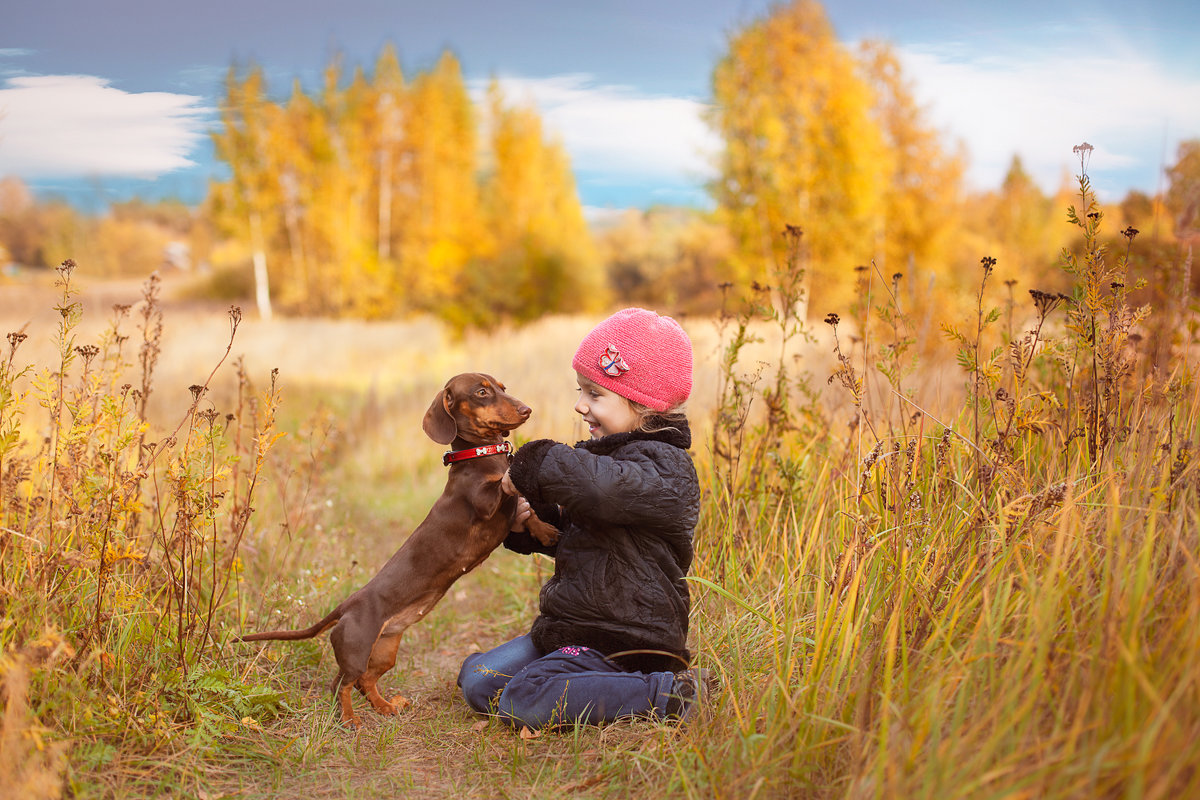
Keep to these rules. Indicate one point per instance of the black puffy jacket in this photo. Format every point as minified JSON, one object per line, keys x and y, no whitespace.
{"x":627,"y":505}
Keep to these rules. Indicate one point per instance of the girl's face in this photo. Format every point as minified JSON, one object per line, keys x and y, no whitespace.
{"x":604,"y":411}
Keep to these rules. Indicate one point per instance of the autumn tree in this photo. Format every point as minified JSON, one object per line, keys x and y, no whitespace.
{"x":801,"y":147}
{"x":24,"y":225}
{"x":830,"y":141}
{"x":923,"y":185}
{"x":389,"y":120}
{"x":1183,"y":192}
{"x":536,"y":251}
{"x":1024,"y":229}
{"x":673,"y":258}
{"x":247,"y":200}
{"x":367,"y":197}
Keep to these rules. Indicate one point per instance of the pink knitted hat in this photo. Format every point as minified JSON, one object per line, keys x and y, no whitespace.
{"x":639,"y":355}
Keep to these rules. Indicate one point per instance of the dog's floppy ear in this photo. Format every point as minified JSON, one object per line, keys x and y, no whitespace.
{"x":438,"y":423}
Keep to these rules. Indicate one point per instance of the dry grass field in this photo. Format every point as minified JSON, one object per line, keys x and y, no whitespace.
{"x":906,"y":593}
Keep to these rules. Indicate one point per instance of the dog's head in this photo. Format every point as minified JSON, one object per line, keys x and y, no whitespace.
{"x":474,"y":406}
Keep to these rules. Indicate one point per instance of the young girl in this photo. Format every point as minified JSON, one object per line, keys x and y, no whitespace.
{"x":610,"y":638}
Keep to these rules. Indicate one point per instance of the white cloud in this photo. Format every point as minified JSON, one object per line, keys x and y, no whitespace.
{"x":1040,"y":100}
{"x":1036,"y":99}
{"x":77,"y":125}
{"x":598,"y":217}
{"x":618,"y":130}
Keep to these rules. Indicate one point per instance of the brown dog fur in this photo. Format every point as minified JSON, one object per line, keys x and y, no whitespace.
{"x":470,"y":519}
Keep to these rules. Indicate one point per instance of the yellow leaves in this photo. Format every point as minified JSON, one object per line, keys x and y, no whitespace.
{"x":30,"y":765}
{"x":817,"y":137}
{"x":123,"y":551}
{"x":372,"y":201}
{"x":47,"y":649}
{"x":445,"y":260}
{"x":263,"y":445}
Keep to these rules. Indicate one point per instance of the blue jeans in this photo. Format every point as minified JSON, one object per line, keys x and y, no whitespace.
{"x":573,"y":684}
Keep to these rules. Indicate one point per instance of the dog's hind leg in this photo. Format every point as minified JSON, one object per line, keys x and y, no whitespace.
{"x":384,"y":649}
{"x":383,"y":658}
{"x":346,"y":703}
{"x":352,"y":656}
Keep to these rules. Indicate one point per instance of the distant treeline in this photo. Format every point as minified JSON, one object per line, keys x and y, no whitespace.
{"x":380,"y":194}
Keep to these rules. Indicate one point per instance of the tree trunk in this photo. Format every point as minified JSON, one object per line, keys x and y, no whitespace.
{"x":262,"y":288}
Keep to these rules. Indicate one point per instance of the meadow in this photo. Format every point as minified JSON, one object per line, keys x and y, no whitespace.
{"x":962,"y":566}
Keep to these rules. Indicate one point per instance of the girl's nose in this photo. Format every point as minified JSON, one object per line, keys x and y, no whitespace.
{"x":581,"y":407}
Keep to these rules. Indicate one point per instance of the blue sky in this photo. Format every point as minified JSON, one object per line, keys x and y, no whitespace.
{"x":101,"y":100}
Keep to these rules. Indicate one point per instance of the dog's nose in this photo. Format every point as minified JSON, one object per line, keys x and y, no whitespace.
{"x":524,"y":411}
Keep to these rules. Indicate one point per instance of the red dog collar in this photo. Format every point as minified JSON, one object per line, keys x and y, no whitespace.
{"x":476,"y":452}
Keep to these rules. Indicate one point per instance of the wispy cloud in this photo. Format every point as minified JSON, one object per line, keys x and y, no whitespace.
{"x":618,"y":130}
{"x":1036,"y":99}
{"x":1040,"y":99}
{"x":79,"y":125}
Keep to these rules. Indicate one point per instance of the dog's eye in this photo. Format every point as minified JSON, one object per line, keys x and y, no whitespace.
{"x":481,"y":393}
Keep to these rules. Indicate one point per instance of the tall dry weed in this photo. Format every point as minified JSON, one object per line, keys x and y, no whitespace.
{"x":32,"y":762}
{"x":985,"y":598}
{"x":122,"y":538}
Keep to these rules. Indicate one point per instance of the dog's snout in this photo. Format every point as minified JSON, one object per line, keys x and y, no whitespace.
{"x":524,"y":411}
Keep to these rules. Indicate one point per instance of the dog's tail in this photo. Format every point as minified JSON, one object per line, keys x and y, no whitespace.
{"x":289,"y":636}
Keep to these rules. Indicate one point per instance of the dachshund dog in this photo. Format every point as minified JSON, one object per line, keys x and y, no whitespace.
{"x":473,"y":414}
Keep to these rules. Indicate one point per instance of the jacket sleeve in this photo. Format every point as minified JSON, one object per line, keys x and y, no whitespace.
{"x":523,"y":542}
{"x":653,"y":485}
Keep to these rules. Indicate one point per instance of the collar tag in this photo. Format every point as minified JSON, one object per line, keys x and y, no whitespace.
{"x":451,"y":456}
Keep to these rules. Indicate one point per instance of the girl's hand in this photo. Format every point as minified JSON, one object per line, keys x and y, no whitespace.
{"x":506,"y":485}
{"x":523,"y":513}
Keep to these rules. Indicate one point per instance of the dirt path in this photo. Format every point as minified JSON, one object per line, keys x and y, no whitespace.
{"x":437,"y":747}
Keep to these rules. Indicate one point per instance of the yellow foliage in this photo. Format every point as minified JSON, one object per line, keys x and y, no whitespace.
{"x":30,"y":765}
{"x":372,"y":204}
{"x":816,"y":138}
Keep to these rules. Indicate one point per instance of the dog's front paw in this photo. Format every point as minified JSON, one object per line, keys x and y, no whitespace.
{"x":544,"y":532}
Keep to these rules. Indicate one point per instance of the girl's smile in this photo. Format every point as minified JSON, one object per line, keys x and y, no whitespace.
{"x":604,"y":411}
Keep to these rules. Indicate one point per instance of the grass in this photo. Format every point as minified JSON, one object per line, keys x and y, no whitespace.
{"x":922,"y":571}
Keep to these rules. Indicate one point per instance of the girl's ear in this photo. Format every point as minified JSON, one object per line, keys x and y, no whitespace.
{"x":438,"y":423}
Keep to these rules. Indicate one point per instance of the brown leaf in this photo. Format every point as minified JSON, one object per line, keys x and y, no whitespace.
{"x":530,"y":733}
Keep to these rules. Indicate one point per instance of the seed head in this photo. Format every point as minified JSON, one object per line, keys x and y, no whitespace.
{"x":1045,"y":302}
{"x":1084,"y":151}
{"x":832,"y":319}
{"x":1130,"y":232}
